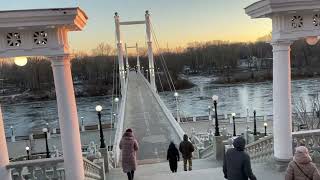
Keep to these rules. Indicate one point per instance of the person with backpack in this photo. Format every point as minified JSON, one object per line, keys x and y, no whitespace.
{"x":236,"y":163}
{"x":186,"y":148}
{"x":173,"y":157}
{"x":129,"y":147}
{"x":301,"y":167}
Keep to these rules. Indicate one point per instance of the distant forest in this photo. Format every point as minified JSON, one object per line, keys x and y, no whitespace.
{"x":95,"y":72}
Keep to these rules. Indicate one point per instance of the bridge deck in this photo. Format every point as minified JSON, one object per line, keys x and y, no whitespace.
{"x":145,"y":116}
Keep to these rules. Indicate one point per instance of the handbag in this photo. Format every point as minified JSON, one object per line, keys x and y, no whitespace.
{"x":302,"y":171}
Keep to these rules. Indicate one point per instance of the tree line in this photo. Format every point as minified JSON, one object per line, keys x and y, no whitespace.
{"x":97,"y":72}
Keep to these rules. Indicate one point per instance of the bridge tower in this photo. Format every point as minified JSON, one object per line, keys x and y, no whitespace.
{"x":291,"y":20}
{"x":127,"y":59}
{"x":150,"y":52}
{"x":120,"y":53}
{"x":138,"y":57}
{"x":147,"y":22}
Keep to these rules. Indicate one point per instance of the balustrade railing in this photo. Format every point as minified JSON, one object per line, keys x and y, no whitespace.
{"x":207,"y":152}
{"x":51,"y":169}
{"x":262,"y":149}
{"x":38,"y":169}
{"x":92,"y":171}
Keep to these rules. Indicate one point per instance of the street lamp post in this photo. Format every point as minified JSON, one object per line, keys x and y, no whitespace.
{"x":28,"y":152}
{"x":209,"y":113}
{"x":45,"y":131}
{"x":265,"y":128}
{"x":254,"y":123}
{"x":215,"y":101}
{"x":234,"y":124}
{"x":99,"y":109}
{"x":116,"y":100}
{"x":176,"y":95}
{"x":147,"y":74}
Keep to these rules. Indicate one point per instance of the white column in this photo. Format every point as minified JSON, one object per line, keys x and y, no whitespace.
{"x":68,"y":118}
{"x":4,"y":156}
{"x":127,"y":59}
{"x":282,"y":101}
{"x":138,"y":58}
{"x":150,"y":52}
{"x":120,"y":53}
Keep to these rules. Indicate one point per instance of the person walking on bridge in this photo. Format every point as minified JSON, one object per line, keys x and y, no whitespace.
{"x":186,"y":148}
{"x":301,"y":167}
{"x":173,"y":157}
{"x":236,"y":163}
{"x":129,"y":146}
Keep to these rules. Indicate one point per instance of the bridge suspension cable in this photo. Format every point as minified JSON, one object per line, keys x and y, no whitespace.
{"x":162,"y":60}
{"x":158,"y":74}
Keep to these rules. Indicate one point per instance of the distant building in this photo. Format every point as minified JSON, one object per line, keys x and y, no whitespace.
{"x":256,"y":63}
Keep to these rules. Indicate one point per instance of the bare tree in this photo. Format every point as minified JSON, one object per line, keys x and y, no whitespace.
{"x":103,"y":49}
{"x":311,"y":120}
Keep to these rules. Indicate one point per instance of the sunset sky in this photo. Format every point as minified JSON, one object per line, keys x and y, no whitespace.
{"x":176,"y":22}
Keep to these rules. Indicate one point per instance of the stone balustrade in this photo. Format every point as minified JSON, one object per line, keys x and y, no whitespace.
{"x":38,"y":169}
{"x":51,"y":168}
{"x":262,"y":150}
{"x":207,"y":152}
{"x":92,"y":171}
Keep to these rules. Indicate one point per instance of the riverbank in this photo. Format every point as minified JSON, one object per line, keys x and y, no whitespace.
{"x":12,"y":95}
{"x":264,"y":75}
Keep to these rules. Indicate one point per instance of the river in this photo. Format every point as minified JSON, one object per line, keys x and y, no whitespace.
{"x":238,"y":98}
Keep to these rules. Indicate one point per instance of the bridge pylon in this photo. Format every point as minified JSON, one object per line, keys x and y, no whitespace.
{"x":150,"y":52}
{"x":122,"y":73}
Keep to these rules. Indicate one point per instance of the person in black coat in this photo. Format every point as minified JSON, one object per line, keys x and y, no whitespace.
{"x":236,"y":164}
{"x":173,"y":157}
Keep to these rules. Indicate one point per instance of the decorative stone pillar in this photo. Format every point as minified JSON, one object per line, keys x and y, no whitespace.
{"x":150,"y":52}
{"x":68,"y":118}
{"x":282,"y":122}
{"x":4,"y":156}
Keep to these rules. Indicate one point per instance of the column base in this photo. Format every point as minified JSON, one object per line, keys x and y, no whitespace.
{"x":280,"y":165}
{"x":219,"y":147}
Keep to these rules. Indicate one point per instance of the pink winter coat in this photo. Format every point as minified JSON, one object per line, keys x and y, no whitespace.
{"x":129,"y":147}
{"x":302,"y":162}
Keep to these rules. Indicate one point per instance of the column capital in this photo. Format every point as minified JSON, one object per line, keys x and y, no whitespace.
{"x":281,"y":45}
{"x":60,"y":60}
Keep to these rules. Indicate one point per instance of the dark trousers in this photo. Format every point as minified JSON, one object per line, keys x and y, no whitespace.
{"x":130,"y":175}
{"x":173,"y":165}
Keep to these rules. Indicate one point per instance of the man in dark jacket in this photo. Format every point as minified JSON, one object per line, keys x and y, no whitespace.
{"x":236,"y":164}
{"x":186,"y":148}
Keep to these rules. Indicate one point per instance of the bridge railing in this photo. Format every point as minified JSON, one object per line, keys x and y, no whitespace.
{"x":51,"y":168}
{"x":166,"y":111}
{"x":120,"y":125}
{"x":262,"y":149}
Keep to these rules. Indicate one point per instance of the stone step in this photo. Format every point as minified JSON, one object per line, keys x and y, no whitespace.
{"x":202,"y":169}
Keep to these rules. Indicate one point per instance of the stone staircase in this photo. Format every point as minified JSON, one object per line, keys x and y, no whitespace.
{"x":202,"y":169}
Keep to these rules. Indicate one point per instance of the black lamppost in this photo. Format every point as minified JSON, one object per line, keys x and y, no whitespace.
{"x":215,"y":101}
{"x":45,"y":131}
{"x":234,"y":124}
{"x":209,"y":112}
{"x":265,"y":128}
{"x":254,"y":123}
{"x":99,"y":109}
{"x":28,"y":152}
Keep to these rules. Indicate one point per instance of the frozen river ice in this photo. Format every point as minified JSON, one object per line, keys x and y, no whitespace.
{"x":28,"y":117}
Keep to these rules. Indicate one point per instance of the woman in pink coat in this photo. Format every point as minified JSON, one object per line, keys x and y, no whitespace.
{"x":129,"y":147}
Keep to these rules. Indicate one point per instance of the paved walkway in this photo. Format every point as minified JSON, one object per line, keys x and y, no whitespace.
{"x":203,"y":169}
{"x":145,"y":116}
